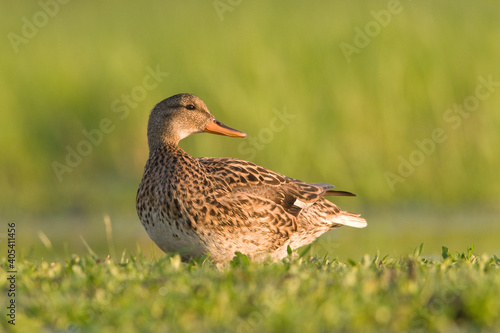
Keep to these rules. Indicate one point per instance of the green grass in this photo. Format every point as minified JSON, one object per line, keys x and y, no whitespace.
{"x":459,"y":293}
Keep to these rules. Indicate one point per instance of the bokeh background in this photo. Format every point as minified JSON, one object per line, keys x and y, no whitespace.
{"x":358,"y":82}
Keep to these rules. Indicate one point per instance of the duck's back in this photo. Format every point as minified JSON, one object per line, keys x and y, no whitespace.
{"x":302,"y":205}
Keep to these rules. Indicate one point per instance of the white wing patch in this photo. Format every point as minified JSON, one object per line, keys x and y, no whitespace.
{"x":301,"y":204}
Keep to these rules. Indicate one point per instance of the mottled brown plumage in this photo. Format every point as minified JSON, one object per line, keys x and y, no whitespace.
{"x":196,"y":206}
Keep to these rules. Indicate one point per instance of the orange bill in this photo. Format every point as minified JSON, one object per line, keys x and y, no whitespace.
{"x":216,"y":127}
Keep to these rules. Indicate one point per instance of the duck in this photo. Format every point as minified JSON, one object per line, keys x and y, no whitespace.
{"x":220,"y":206}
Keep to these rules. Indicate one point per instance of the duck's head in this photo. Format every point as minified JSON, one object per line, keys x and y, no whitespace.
{"x":181,"y":115}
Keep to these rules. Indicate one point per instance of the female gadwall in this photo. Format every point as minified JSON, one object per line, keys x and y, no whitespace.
{"x":196,"y":206}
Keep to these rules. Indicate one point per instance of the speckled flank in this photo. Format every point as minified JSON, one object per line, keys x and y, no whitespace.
{"x":223,"y":205}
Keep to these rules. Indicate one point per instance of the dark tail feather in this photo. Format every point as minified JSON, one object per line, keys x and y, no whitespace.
{"x":340,"y":193}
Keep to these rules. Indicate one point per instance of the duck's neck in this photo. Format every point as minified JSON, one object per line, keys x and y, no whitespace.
{"x":166,"y":150}
{"x":162,"y":141}
{"x":162,"y":136}
{"x":175,"y":156}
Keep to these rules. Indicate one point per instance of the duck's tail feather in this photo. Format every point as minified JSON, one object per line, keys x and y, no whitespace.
{"x":339,"y":193}
{"x":350,"y":220}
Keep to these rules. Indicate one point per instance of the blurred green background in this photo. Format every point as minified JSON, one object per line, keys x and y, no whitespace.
{"x":353,"y":116}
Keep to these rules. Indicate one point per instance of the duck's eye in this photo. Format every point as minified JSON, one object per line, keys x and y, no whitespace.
{"x":190,"y":107}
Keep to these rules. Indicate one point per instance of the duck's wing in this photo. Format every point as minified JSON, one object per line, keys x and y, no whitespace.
{"x":292,"y":195}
